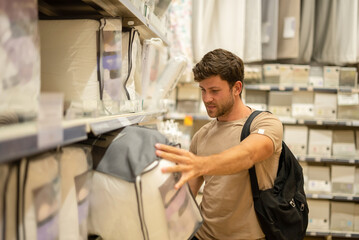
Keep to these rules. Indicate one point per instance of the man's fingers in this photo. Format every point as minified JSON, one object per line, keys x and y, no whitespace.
{"x":180,"y":183}
{"x":171,"y":157}
{"x":169,"y":149}
{"x":175,"y":168}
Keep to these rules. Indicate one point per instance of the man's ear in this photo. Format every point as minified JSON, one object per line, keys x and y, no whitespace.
{"x":238,"y":87}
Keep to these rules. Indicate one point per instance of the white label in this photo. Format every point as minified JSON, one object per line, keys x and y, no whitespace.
{"x":302,"y":110}
{"x":345,"y":99}
{"x":289,"y":27}
{"x":325,"y":112}
{"x":319,"y":186}
{"x":320,"y":150}
{"x":258,"y":106}
{"x":50,"y":132}
{"x":271,"y":70}
{"x":316,"y":81}
{"x":261,"y":131}
{"x":280,"y":110}
{"x":344,"y":149}
{"x":318,"y":223}
{"x":331,"y":76}
{"x":298,"y":149}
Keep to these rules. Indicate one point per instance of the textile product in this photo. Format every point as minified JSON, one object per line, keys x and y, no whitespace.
{"x":131,"y":198}
{"x":69,"y":63}
{"x":336,"y":37}
{"x":4,"y":175}
{"x":74,"y":163}
{"x":131,"y":63}
{"x":180,"y":15}
{"x":11,"y":199}
{"x":131,"y":72}
{"x":229,"y":197}
{"x":325,"y":40}
{"x":306,"y":32}
{"x":347,"y":32}
{"x":357,"y":59}
{"x":130,"y":162}
{"x":253,"y":28}
{"x":111,"y":67}
{"x":168,"y":80}
{"x":41,"y":200}
{"x":288,"y":29}
{"x":19,"y":60}
{"x":201,"y":16}
{"x":218,"y":24}
{"x":154,"y":58}
{"x":270,"y":9}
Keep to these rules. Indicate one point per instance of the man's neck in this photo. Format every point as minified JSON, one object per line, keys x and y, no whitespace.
{"x":238,"y":111}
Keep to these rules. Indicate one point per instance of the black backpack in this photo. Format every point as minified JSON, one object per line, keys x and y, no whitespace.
{"x":282,"y":211}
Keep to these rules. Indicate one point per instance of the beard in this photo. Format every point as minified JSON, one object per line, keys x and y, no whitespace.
{"x":221,"y":109}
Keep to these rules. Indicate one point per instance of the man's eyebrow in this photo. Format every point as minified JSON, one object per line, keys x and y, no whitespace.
{"x":211,"y":88}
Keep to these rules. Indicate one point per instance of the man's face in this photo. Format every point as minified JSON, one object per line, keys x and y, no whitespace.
{"x":217,"y":96}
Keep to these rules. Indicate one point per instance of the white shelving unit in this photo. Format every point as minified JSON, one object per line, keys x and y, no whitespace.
{"x":95,"y":9}
{"x":291,"y":88}
{"x":20,"y":140}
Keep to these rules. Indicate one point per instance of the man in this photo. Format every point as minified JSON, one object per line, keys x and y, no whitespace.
{"x":217,"y":156}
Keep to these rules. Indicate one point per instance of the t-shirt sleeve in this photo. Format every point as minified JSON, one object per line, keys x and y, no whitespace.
{"x":269,"y":125}
{"x":193,"y":146}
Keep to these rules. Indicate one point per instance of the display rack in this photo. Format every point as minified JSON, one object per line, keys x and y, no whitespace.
{"x":296,"y":88}
{"x":328,"y":160}
{"x":333,"y":234}
{"x":181,"y":116}
{"x":96,"y":9}
{"x":20,"y":140}
{"x":348,"y":198}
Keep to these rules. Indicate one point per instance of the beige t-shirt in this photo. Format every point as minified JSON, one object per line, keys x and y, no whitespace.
{"x":227,"y":204}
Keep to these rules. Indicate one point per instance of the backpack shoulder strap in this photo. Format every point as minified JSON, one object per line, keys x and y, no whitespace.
{"x":252,"y":170}
{"x":247,"y":124}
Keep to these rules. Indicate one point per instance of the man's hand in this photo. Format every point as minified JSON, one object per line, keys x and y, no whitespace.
{"x":190,"y":165}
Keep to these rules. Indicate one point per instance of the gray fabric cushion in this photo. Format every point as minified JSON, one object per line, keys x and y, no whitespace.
{"x":131,"y":151}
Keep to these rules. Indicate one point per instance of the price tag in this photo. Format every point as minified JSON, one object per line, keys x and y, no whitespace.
{"x":348,"y":99}
{"x":289,"y":27}
{"x":50,"y":132}
{"x":319,"y":186}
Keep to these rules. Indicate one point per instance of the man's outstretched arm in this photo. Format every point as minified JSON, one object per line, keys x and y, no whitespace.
{"x":255,"y":148}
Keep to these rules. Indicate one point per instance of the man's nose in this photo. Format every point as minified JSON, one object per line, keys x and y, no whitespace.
{"x":207,"y":98}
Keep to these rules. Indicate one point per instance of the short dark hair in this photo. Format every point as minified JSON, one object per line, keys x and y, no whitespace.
{"x":220,"y":62}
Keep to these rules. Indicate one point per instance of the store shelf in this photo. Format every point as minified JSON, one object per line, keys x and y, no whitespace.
{"x":333,"y":234}
{"x":181,"y":116}
{"x":263,"y":87}
{"x":344,"y":234}
{"x":284,"y":120}
{"x":318,"y":233}
{"x":96,"y":9}
{"x":349,"y":198}
{"x":328,"y":159}
{"x":17,"y":141}
{"x":290,"y":120}
{"x":108,"y":123}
